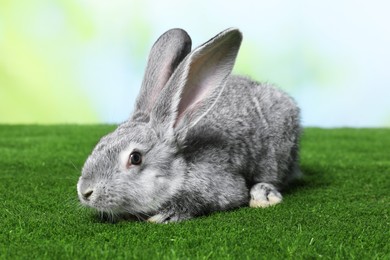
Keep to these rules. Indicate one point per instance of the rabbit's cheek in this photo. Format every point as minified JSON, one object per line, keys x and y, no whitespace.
{"x":151,"y":185}
{"x":151,"y":190}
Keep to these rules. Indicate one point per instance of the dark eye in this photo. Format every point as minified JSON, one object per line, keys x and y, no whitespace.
{"x":135,"y":158}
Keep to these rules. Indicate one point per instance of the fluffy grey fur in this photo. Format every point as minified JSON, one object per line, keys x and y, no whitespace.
{"x":209,"y":141}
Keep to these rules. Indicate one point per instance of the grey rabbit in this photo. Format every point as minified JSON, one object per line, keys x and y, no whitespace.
{"x":200,"y":140}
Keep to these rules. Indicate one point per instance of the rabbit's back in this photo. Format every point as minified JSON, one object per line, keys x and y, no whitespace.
{"x":253,"y":129}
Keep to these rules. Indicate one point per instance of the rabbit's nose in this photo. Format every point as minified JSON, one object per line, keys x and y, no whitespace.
{"x":87,"y":194}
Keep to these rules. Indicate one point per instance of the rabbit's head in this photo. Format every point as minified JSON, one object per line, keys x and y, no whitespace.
{"x":138,"y":167}
{"x":131,"y":170}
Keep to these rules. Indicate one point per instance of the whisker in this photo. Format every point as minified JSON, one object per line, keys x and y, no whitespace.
{"x":112,"y":217}
{"x":141,"y":216}
{"x":74,"y":166}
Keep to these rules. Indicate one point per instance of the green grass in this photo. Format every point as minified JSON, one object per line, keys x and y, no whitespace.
{"x":340,"y":209}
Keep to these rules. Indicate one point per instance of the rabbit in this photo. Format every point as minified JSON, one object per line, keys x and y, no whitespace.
{"x":200,"y":140}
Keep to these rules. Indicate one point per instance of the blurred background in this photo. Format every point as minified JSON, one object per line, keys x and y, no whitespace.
{"x":82,"y":61}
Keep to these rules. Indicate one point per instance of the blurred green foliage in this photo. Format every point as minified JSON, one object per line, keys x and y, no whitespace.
{"x":37,"y":80}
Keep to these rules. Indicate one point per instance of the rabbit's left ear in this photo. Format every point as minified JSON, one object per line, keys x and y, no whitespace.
{"x":198,"y":81}
{"x":166,"y":54}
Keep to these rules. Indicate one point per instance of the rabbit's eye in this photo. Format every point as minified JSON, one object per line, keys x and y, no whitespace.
{"x":135,"y":158}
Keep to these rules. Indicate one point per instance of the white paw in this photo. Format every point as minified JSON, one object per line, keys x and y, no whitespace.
{"x":264,"y":195}
{"x":159,"y":218}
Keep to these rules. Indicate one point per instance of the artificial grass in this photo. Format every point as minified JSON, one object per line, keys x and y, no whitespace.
{"x":340,"y":209}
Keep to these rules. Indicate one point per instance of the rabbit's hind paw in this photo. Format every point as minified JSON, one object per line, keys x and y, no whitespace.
{"x":264,"y":195}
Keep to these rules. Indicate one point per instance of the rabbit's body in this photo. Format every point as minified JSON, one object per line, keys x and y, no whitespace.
{"x":199,"y":140}
{"x":223,"y":163}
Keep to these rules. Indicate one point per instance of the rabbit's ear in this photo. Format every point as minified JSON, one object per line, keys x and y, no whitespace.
{"x":166,"y":54}
{"x":198,"y":81}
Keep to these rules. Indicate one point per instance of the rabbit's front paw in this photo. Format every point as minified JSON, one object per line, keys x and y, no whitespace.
{"x":158,"y":218}
{"x":168,"y":218}
{"x":264,"y":195}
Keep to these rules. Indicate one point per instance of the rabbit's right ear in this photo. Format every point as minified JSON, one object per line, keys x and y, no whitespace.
{"x":166,"y":54}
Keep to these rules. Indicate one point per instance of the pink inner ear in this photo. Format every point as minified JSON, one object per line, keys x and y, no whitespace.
{"x":200,"y":81}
